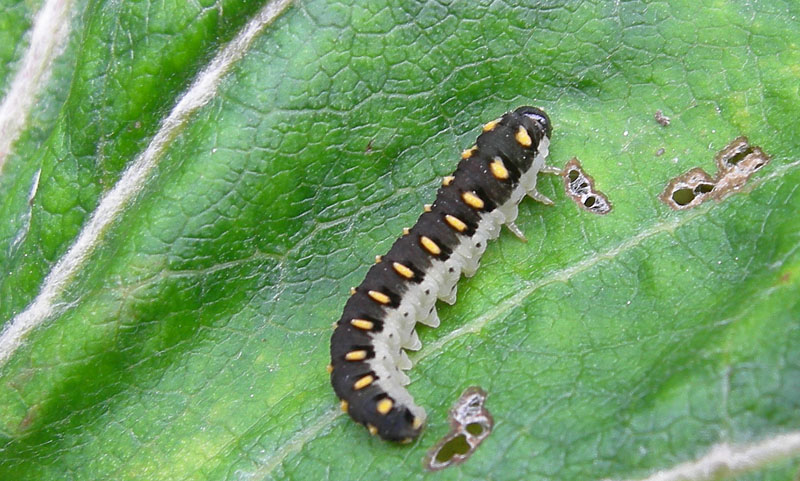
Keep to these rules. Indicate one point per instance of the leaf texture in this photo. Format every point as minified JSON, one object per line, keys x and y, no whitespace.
{"x":190,"y":341}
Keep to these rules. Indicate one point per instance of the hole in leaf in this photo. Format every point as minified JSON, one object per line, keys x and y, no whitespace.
{"x":580,"y":187}
{"x":470,"y":424}
{"x":457,"y":445}
{"x":739,"y":156}
{"x":683,"y":196}
{"x":703,"y":188}
{"x":736,"y":162}
{"x":475,"y":429}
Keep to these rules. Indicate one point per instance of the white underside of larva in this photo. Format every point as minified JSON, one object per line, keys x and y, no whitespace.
{"x":419,"y":302}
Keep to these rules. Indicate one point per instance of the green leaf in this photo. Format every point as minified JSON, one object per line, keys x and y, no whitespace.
{"x":16,"y":19}
{"x":189,"y":340}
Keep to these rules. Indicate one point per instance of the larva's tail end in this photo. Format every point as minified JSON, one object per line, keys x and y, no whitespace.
{"x":402,"y":427}
{"x":537,"y":115}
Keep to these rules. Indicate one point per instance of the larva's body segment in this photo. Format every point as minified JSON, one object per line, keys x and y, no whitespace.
{"x":425,"y":263}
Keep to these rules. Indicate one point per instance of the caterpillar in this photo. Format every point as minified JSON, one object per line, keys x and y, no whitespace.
{"x":377,"y":325}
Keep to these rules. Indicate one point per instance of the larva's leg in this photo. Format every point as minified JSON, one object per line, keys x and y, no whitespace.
{"x":450,"y":275}
{"x":470,"y":269}
{"x":432,"y":319}
{"x":404,"y":362}
{"x":450,"y":298}
{"x":539,"y":197}
{"x":516,"y":231}
{"x":402,"y":378}
{"x":413,"y":343}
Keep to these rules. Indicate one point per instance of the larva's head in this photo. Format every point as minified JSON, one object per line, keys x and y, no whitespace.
{"x":538,"y":116}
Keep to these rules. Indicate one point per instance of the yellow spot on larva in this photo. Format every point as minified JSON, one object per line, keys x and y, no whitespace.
{"x":522,"y":137}
{"x":417,"y":423}
{"x":468,"y":153}
{"x":344,"y":405}
{"x":455,"y":223}
{"x":378,"y":259}
{"x":379,"y":297}
{"x":352,"y":291}
{"x":384,"y":406}
{"x":406,"y":230}
{"x":363,"y":382}
{"x":362,"y":324}
{"x":329,"y":368}
{"x":403,"y":270}
{"x":491,"y":125}
{"x":430,"y":246}
{"x":372,"y":429}
{"x":427,"y":207}
{"x":499,"y":169}
{"x":359,"y":355}
{"x":448,"y":180}
{"x":472,"y":200}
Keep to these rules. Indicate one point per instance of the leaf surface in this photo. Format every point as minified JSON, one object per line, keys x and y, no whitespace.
{"x":191,"y":342}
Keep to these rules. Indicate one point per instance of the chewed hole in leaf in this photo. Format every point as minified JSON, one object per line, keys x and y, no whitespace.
{"x":736,"y":162}
{"x":683,"y":196}
{"x":703,"y":188}
{"x":475,"y":429}
{"x":457,"y":445}
{"x":688,"y":190}
{"x":739,"y":156}
{"x":470,"y":424}
{"x":580,"y":187}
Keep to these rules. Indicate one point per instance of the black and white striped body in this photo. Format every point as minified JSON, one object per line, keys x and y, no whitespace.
{"x":425,"y":263}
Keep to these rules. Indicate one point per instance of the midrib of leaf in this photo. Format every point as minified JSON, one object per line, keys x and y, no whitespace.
{"x":17,"y":16}
{"x":81,"y":158}
{"x":724,"y":461}
{"x":131,"y":182}
{"x":48,"y":35}
{"x":769,"y":450}
{"x":293,"y":447}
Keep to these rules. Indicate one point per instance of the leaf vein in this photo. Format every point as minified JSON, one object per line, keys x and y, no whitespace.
{"x":132,"y":181}
{"x":48,"y":39}
{"x":329,"y":415}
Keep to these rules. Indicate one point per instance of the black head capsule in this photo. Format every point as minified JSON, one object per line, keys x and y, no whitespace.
{"x":538,"y":116}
